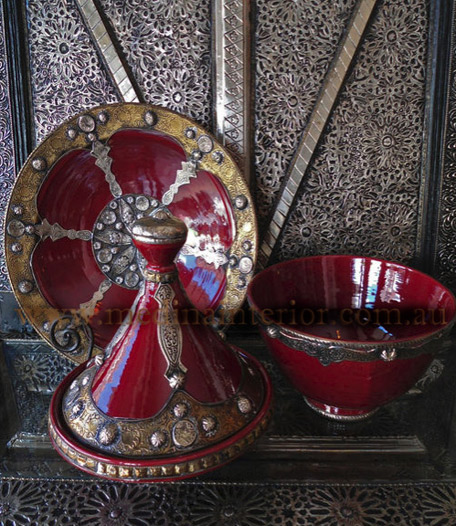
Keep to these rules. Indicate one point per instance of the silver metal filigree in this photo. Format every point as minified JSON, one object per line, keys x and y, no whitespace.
{"x":183,"y":176}
{"x":55,"y":231}
{"x":169,"y":332}
{"x":101,"y":153}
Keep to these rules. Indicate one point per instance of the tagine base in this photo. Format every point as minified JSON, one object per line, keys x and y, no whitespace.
{"x":162,"y":469}
{"x":338,"y":413}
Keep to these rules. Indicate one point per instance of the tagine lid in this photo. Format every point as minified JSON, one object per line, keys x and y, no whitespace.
{"x":68,"y":246}
{"x":168,"y":399}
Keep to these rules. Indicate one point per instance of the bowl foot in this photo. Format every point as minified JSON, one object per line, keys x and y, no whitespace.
{"x":338,"y":413}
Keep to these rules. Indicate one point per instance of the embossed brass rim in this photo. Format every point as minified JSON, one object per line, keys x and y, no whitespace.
{"x":167,"y":468}
{"x":99,"y":124}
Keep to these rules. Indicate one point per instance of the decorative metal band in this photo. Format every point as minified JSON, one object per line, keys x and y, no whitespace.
{"x":101,"y":152}
{"x":105,"y":44}
{"x":121,"y":267}
{"x":159,"y":277}
{"x":331,"y":87}
{"x":330,"y":351}
{"x":55,"y":231}
{"x":340,"y":418}
{"x":232,"y":77}
{"x":182,"y":424}
{"x":183,"y":176}
{"x":159,"y":470}
{"x":170,"y":335}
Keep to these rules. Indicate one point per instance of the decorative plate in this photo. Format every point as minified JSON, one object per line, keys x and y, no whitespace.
{"x":69,"y":253}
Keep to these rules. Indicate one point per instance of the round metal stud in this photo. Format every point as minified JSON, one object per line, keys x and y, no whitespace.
{"x":108,"y":434}
{"x":241,"y":202}
{"x":242,"y":283}
{"x":217,"y":156}
{"x":72,"y":133}
{"x":205,"y":144}
{"x":18,"y":210}
{"x":108,"y":217}
{"x":150,"y":118}
{"x":180,"y":410}
{"x":39,"y":164}
{"x":92,"y":137}
{"x":113,"y":205}
{"x":25,"y":286}
{"x":209,"y":424}
{"x":247,"y":245}
{"x":97,"y":245}
{"x":77,"y":408}
{"x":119,"y":280}
{"x":245,"y":265}
{"x":29,"y":229}
{"x":86,"y":123}
{"x":46,"y":326}
{"x":190,"y":133}
{"x":99,"y":226}
{"x":16,"y":248}
{"x":158,"y":439}
{"x":103,"y":117}
{"x":177,"y":380}
{"x":104,"y":255}
{"x":233,"y":261}
{"x":15,"y":228}
{"x":131,"y":279}
{"x":184,"y":433}
{"x":85,"y":380}
{"x":142,"y":203}
{"x":244,"y":405}
{"x":196,"y":155}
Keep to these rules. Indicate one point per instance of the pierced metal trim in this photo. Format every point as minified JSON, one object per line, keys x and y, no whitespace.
{"x":170,"y":335}
{"x":331,"y":351}
{"x":322,"y":110}
{"x":101,"y":152}
{"x":98,"y":29}
{"x":183,"y":176}
{"x":54,"y":232}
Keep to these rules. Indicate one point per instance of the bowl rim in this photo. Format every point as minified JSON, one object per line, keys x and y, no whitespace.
{"x":384,"y":350}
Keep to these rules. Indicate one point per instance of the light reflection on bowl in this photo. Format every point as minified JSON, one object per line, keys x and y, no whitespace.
{"x":351,"y":333}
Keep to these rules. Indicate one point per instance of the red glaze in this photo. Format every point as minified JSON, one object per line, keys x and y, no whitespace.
{"x":348,"y":282}
{"x":74,"y":193}
{"x":132,"y":382}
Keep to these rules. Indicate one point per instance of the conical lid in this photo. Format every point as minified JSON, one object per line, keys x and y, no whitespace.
{"x":170,"y":397}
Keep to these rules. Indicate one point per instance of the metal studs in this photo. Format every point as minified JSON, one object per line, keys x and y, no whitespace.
{"x":233,"y":261}
{"x":177,"y":380}
{"x":205,"y":144}
{"x":15,"y":228}
{"x":184,"y":433}
{"x":389,"y":355}
{"x":247,"y":245}
{"x":25,"y":286}
{"x":105,"y":268}
{"x":150,"y":118}
{"x":30,"y":229}
{"x":108,"y":434}
{"x":217,"y":156}
{"x":209,"y":424}
{"x":46,"y":326}
{"x":86,"y":123}
{"x":142,"y":203}
{"x":77,"y":408}
{"x":39,"y":164}
{"x":113,"y":204}
{"x":103,"y":117}
{"x":190,"y":133}
{"x":85,"y":380}
{"x":97,"y":245}
{"x":72,"y":133}
{"x":18,"y":210}
{"x":108,"y":217}
{"x":157,"y":439}
{"x":196,"y":155}
{"x":242,"y":283}
{"x":131,"y":279}
{"x":180,"y":410}
{"x":92,"y":137}
{"x":119,"y":280}
{"x":104,"y":255}
{"x":272,"y":331}
{"x":245,"y":265}
{"x":244,"y":405}
{"x":241,"y":202}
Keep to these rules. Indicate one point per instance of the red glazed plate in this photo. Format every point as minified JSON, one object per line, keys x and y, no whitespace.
{"x":69,"y":252}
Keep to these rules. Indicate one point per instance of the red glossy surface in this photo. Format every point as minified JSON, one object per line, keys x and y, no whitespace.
{"x":75,"y":192}
{"x":57,"y":422}
{"x":132,"y":382}
{"x":352,"y":283}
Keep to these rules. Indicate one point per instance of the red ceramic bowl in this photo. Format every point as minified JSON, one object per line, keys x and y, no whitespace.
{"x":351,"y":333}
